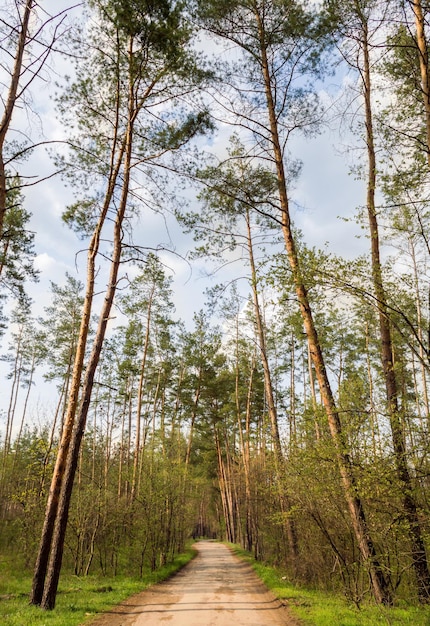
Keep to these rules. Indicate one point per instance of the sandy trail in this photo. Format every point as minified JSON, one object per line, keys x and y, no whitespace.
{"x":215,"y":589}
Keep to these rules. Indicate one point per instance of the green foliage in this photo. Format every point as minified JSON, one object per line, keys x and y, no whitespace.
{"x":60,"y":327}
{"x":79,"y":599}
{"x":16,"y":245}
{"x":317,"y":608}
{"x":285,"y":22}
{"x":136,"y":75}
{"x":293,"y":40}
{"x":171,"y":136}
{"x":107,"y":532}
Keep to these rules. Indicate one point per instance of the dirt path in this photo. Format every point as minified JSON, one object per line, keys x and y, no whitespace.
{"x":215,"y":589}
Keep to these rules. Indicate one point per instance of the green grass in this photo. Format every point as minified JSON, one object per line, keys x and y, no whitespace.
{"x":79,"y":600}
{"x":318,"y":608}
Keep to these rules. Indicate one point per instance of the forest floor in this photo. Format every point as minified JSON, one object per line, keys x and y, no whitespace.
{"x":214,"y":589}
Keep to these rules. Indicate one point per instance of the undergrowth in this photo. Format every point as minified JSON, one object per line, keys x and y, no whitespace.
{"x":319,"y":608}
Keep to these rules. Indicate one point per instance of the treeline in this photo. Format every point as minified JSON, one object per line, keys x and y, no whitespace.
{"x":200,"y":457}
{"x":294,"y":417}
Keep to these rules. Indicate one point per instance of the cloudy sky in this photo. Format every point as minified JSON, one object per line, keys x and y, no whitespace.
{"x":323,"y":195}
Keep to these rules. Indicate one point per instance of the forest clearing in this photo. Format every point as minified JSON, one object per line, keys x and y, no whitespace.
{"x":289,"y":414}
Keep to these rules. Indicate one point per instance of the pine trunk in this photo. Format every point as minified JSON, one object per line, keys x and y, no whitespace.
{"x":56,"y":553}
{"x":357,"y":515}
{"x":423,"y":57}
{"x":139,"y":400}
{"x":74,"y":391}
{"x":284,"y":500}
{"x":11,"y":103}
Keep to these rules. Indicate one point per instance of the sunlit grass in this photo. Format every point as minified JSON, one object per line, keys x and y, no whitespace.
{"x":317,"y":608}
{"x":79,"y":599}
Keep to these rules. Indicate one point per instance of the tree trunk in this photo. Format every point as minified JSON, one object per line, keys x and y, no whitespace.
{"x":293,"y":425}
{"x":56,"y":555}
{"x":72,"y":406}
{"x":139,"y":399}
{"x":355,"y":506}
{"x":313,"y":391}
{"x":225,"y":491}
{"x":419,"y":558}
{"x":250,"y":522}
{"x":11,"y":102}
{"x":423,"y":57}
{"x":27,"y":397}
{"x":421,"y":339}
{"x":374,"y":426}
{"x":16,"y":379}
{"x":284,"y":500}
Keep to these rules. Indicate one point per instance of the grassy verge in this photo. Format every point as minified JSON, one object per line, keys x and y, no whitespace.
{"x":317,"y":608}
{"x":79,"y":599}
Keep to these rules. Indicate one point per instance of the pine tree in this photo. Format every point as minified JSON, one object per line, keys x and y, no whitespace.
{"x":139,"y":61}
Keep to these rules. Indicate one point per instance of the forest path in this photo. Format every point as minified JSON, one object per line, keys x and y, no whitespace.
{"x":214,"y":589}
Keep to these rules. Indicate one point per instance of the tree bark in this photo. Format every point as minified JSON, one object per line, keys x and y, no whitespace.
{"x":139,"y":398}
{"x":284,"y":500}
{"x":422,"y":355}
{"x":423,"y":57}
{"x":11,"y":102}
{"x":244,"y":441}
{"x":72,"y":406}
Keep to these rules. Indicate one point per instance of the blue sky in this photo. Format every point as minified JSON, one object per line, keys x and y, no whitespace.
{"x":324,"y":193}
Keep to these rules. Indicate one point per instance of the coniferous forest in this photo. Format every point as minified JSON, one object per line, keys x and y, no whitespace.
{"x":291,"y":415}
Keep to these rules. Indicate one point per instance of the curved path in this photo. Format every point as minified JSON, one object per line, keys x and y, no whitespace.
{"x":214,"y":589}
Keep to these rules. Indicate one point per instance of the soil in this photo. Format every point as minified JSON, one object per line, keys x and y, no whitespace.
{"x":214,"y":589}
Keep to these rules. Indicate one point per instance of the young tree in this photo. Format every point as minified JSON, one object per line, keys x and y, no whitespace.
{"x":146,"y":304}
{"x":60,"y":327}
{"x":421,"y":39}
{"x":22,"y":359}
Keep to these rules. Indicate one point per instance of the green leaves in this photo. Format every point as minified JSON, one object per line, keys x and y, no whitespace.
{"x":132,"y":88}
{"x":176,"y":133}
{"x":16,"y":243}
{"x":152,"y":23}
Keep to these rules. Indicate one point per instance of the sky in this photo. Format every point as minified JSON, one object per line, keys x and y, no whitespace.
{"x":324,"y":194}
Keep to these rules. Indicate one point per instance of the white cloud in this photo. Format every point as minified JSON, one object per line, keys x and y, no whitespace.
{"x":44,"y":263}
